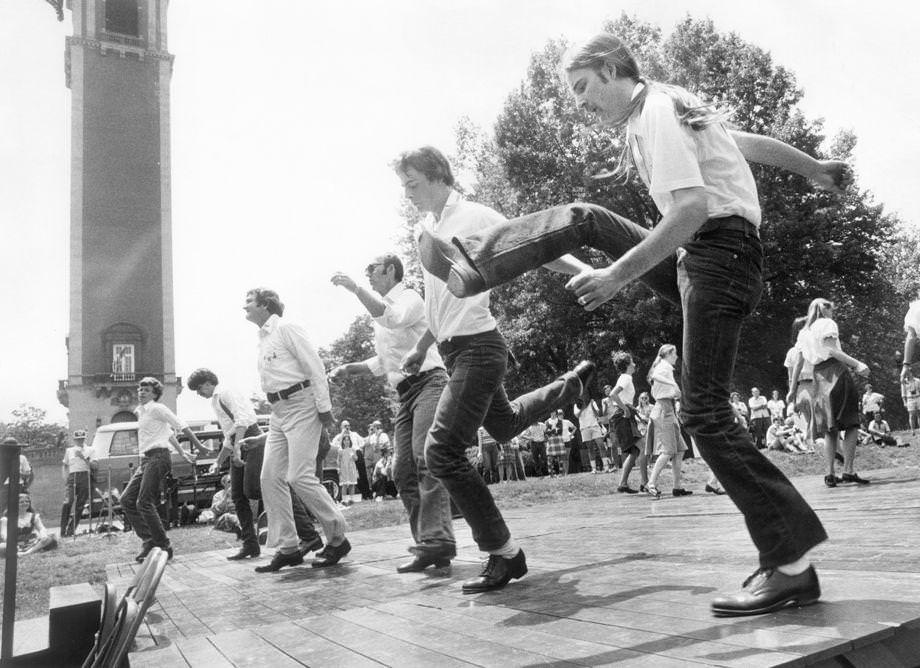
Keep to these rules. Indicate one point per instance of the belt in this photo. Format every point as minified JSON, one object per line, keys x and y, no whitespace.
{"x":456,"y":342}
{"x":727,"y":223}
{"x":407,"y":382}
{"x":154,"y":452}
{"x":284,"y":394}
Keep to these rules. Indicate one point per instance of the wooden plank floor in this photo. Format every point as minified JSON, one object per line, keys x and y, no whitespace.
{"x":619,"y":580}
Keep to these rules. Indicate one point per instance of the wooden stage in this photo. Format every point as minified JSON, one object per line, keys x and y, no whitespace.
{"x":620,"y":580}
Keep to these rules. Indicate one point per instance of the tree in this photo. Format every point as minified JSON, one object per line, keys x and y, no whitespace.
{"x":30,"y":428}
{"x":543,"y":153}
{"x":359,"y":399}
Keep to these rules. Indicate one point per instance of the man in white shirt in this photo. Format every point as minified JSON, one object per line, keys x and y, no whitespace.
{"x":399,"y":322}
{"x":476,"y":357}
{"x":294,"y":380}
{"x":76,"y":480}
{"x":238,"y":421}
{"x":376,"y":439}
{"x":155,"y":426}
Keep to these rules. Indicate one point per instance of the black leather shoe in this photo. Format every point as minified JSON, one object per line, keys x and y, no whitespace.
{"x":279,"y":561}
{"x":585,"y":372}
{"x":420,"y":563}
{"x":626,"y":489}
{"x":714,"y":490}
{"x":852,"y":477}
{"x":331,"y":555}
{"x":496,"y":573}
{"x":768,"y":590}
{"x":680,"y":491}
{"x":245,"y":553}
{"x":830,"y":481}
{"x":447,"y":262}
{"x":314,"y":545}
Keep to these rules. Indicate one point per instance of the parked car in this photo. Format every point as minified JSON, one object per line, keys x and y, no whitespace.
{"x":114,"y":456}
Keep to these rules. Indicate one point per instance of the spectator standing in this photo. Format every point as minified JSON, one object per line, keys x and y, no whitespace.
{"x":669,"y":444}
{"x":555,"y":444}
{"x":871,"y":403}
{"x":740,"y":409}
{"x":623,"y":422}
{"x":910,"y":394}
{"x":776,"y":406}
{"x":760,"y":417}
{"x":535,"y":435}
{"x":490,"y":456}
{"x":376,"y":439}
{"x":592,"y":435}
{"x":76,"y":471}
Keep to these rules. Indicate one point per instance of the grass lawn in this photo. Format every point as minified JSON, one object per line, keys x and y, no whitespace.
{"x":84,"y":559}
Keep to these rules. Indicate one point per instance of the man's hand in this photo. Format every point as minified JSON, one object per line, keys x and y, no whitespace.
{"x":862,"y":370}
{"x":833,"y":175}
{"x":413,"y":361}
{"x":336,"y":374}
{"x":344,"y":280}
{"x":596,"y":286}
{"x":328,"y":420}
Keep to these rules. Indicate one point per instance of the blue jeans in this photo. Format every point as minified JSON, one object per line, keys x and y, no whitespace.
{"x":425,"y":498}
{"x":717,"y":278}
{"x":475,"y":396}
{"x":142,"y":495}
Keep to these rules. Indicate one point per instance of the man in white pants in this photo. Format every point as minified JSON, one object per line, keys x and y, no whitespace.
{"x":294,"y":380}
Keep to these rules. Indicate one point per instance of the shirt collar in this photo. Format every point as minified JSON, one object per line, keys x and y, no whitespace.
{"x":395,"y":291}
{"x":453,"y":199}
{"x":270,"y":325}
{"x":638,"y":89}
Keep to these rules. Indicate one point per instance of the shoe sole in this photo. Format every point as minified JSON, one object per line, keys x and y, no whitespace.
{"x":792,"y":602}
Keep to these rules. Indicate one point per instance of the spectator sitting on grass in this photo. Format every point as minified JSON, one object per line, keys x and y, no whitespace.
{"x":879,"y":431}
{"x":783,"y":437}
{"x":31,"y":536}
{"x":223,"y":510}
{"x":383,"y":483}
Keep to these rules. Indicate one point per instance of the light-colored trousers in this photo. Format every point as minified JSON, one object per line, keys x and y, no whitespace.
{"x":290,"y":458}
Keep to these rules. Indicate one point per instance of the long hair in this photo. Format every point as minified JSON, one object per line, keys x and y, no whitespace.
{"x":604,"y":53}
{"x":819,"y":308}
{"x":663,"y":352}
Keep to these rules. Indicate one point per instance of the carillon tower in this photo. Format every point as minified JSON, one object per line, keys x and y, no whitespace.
{"x":120,"y":274}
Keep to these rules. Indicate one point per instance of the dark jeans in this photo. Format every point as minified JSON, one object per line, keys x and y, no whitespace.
{"x":538,"y":452}
{"x":717,"y":279}
{"x":142,"y":495}
{"x":423,"y":495}
{"x":475,"y":396}
{"x":77,"y":489}
{"x":245,"y":487}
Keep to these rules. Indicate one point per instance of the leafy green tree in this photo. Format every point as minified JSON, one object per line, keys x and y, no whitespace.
{"x":31,"y":428}
{"x":543,"y":153}
{"x":359,"y":399}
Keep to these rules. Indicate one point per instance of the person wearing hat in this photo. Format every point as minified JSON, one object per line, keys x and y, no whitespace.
{"x":76,"y":473}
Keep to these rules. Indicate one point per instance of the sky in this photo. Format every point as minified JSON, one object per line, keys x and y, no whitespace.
{"x":286,"y":115}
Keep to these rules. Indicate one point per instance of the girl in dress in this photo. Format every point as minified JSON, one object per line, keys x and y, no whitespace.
{"x":669,"y":446}
{"x":31,"y":535}
{"x":348,"y":470}
{"x":835,"y":400}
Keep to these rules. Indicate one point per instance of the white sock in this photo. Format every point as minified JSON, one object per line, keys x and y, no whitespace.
{"x":509,"y":550}
{"x":795,"y":568}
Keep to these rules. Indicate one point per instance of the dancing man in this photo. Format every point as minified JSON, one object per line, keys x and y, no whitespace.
{"x":705,"y":254}
{"x":294,"y":380}
{"x":399,"y":322}
{"x":476,"y":357}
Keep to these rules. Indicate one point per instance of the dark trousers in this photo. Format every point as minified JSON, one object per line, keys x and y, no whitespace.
{"x":427,"y":502}
{"x":77,"y":488}
{"x":245,"y":487}
{"x":475,"y":396}
{"x":538,"y":452}
{"x":142,"y":495}
{"x":717,"y":279}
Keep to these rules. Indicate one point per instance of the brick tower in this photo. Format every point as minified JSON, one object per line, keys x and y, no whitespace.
{"x":120,"y":274}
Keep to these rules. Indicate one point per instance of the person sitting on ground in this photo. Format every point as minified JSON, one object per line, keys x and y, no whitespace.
{"x":782,"y":437}
{"x":224,"y":510}
{"x":384,"y":486}
{"x":31,"y":536}
{"x":879,"y":431}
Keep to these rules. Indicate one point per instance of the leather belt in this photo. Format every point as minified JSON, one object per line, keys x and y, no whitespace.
{"x":285,"y":393}
{"x":407,"y":382}
{"x":732,"y":223}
